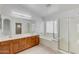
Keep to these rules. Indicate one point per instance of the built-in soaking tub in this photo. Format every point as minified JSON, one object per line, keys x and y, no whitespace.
{"x":49,"y":42}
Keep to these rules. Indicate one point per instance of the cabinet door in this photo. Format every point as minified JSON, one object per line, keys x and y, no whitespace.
{"x":22,"y":44}
{"x":4,"y":47}
{"x":37,"y":40}
{"x":15,"y":46}
{"x":28,"y":42}
{"x":33,"y":40}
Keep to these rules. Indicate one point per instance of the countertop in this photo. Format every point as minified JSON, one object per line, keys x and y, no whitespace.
{"x":12,"y":37}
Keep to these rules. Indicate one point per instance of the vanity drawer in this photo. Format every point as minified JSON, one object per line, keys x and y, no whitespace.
{"x":4,"y":42}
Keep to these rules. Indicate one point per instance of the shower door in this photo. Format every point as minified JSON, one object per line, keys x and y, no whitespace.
{"x":63,"y":34}
{"x":74,"y":35}
{"x":69,"y":34}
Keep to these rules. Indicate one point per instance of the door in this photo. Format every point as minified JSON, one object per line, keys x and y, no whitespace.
{"x":63,"y":34}
{"x":18,"y":28}
{"x":74,"y":35}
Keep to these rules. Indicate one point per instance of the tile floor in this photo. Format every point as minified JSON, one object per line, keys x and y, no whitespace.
{"x":39,"y":49}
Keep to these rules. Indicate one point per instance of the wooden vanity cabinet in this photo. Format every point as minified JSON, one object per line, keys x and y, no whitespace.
{"x":17,"y":45}
{"x":5,"y":47}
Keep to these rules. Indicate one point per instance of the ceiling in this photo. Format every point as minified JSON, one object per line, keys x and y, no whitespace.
{"x":40,"y":10}
{"x":49,"y":9}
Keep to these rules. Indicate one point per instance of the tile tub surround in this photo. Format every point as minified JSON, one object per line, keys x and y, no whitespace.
{"x":49,"y":42}
{"x":17,"y":44}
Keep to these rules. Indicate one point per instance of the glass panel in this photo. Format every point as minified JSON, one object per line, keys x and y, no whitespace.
{"x":0,"y":22}
{"x":63,"y":34}
{"x":69,"y":34}
{"x":74,"y":35}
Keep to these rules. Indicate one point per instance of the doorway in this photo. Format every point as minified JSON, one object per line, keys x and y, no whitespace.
{"x":18,"y":28}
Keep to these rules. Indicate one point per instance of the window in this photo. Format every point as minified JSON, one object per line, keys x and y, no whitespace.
{"x":49,"y":27}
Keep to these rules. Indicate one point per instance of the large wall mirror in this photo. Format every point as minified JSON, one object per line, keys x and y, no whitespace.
{"x":0,"y":22}
{"x":6,"y":27}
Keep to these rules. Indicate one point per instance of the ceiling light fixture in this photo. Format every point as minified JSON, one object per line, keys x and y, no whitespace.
{"x":21,"y":15}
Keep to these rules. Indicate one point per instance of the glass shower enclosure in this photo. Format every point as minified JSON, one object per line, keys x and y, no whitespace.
{"x":69,"y":34}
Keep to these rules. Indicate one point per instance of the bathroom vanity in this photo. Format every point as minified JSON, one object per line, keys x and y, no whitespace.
{"x":18,"y":43}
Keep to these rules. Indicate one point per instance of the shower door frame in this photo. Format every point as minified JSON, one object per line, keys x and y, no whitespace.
{"x":59,"y":36}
